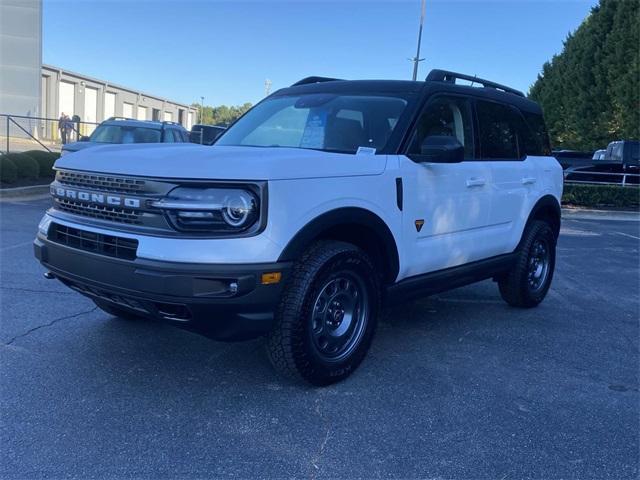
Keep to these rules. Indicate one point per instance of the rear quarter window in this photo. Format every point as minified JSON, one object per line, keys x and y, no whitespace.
{"x":536,"y":124}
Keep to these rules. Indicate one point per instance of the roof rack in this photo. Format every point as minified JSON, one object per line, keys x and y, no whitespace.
{"x":446,"y":76}
{"x":307,"y":80}
{"x":120,"y":118}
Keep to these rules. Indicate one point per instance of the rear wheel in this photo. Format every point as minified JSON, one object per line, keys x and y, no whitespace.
{"x":327,"y":316}
{"x":116,"y":311}
{"x":528,"y":282}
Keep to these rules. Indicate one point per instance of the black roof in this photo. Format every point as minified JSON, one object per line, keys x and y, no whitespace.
{"x":438,"y":80}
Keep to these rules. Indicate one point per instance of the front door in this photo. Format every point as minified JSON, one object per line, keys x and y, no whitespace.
{"x":446,"y":205}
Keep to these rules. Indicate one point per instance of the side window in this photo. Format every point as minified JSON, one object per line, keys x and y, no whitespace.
{"x":445,"y":116}
{"x":539,"y":130}
{"x":498,"y":131}
{"x":168,"y":135}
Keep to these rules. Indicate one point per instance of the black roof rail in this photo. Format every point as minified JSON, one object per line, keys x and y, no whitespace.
{"x":120,"y":118}
{"x":307,"y":80}
{"x":446,"y":76}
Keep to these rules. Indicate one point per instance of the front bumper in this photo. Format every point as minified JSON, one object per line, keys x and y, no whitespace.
{"x":226,"y":302}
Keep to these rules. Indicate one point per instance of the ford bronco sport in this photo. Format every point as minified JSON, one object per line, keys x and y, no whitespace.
{"x":323,"y":202}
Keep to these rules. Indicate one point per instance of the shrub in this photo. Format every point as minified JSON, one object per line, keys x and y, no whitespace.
{"x":27,"y":167}
{"x":601,"y":196}
{"x":45,"y":161}
{"x":8,"y":170}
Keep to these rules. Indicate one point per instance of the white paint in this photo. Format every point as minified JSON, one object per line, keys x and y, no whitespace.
{"x":109,"y":105}
{"x":90,"y":109}
{"x":66,"y":98}
{"x":127,"y":110}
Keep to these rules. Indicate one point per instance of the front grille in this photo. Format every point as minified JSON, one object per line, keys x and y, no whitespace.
{"x":108,"y":245}
{"x":105,"y":183}
{"x":100,"y":212}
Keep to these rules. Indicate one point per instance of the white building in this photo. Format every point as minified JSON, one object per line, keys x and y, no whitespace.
{"x":30,"y":89}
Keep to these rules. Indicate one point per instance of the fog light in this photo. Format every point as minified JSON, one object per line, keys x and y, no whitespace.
{"x":271,"y":277}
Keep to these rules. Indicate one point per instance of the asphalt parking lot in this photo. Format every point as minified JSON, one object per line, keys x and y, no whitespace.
{"x":455,"y":386}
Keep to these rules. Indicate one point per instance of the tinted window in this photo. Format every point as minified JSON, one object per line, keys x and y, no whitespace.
{"x":536,"y":124}
{"x":498,"y":130}
{"x":445,"y":116}
{"x":323,"y":121}
{"x":168,"y":136}
{"x":124,"y":134}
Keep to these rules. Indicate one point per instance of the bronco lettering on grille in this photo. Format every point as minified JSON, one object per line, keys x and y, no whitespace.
{"x":97,"y":198}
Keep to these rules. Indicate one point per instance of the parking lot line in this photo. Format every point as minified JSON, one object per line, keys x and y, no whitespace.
{"x":627,"y":235}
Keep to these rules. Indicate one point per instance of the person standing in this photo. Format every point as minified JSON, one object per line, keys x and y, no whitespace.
{"x":68,"y":127}
{"x":62,"y":127}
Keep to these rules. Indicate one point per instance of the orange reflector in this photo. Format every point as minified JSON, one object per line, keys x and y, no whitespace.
{"x":271,"y":277}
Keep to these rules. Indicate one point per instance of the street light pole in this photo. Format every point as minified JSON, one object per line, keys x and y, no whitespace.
{"x":201,"y":109}
{"x":417,"y":58}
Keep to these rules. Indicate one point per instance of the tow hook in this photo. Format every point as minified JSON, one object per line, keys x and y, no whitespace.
{"x":49,"y":275}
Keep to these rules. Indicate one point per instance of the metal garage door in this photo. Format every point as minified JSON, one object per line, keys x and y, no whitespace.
{"x":109,"y":105}
{"x":66,"y":102}
{"x":127,"y":110}
{"x":90,"y":109}
{"x":142,"y":113}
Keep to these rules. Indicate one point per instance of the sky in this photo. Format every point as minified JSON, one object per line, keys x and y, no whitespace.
{"x":225,"y":50}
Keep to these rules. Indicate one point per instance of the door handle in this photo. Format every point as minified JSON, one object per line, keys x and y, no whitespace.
{"x":529,"y":180}
{"x":475,"y":182}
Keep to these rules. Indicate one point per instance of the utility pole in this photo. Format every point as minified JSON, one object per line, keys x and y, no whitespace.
{"x":417,"y":58}
{"x":201,"y":109}
{"x":267,"y":87}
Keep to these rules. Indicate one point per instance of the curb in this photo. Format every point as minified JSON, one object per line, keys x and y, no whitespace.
{"x":33,"y":191}
{"x":588,"y":214}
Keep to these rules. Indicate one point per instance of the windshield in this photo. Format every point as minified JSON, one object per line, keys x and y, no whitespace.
{"x":125,"y":134}
{"x":321,"y":121}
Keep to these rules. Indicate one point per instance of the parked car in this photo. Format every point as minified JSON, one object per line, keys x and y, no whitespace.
{"x":205,"y":134}
{"x":573,"y":158}
{"x":128,"y":130}
{"x":599,"y":156}
{"x":325,"y":200}
{"x":625,"y":153}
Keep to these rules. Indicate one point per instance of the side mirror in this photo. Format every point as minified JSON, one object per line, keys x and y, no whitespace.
{"x":441,"y":149}
{"x":84,"y":138}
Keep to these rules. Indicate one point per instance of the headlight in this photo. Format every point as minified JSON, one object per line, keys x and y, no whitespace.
{"x":223,"y":210}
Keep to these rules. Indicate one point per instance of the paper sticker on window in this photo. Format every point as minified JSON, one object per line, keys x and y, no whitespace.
{"x":313,"y":135}
{"x":366,"y":151}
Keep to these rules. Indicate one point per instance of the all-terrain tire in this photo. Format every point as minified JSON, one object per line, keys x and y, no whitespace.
{"x":115,"y":311}
{"x":521,"y":287}
{"x":294,"y":346}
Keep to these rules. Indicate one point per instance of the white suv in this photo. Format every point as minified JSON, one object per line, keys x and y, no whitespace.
{"x":325,"y":201}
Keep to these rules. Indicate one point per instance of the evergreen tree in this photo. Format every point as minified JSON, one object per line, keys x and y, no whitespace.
{"x":590,"y":92}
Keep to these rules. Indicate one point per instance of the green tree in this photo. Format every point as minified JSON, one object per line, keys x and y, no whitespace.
{"x":222,"y":114}
{"x":590,"y":92}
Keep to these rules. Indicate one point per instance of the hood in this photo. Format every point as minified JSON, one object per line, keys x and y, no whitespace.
{"x":190,"y":161}
{"x":76,"y":146}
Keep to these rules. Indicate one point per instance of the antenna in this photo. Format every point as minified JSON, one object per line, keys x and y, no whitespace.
{"x":416,"y":60}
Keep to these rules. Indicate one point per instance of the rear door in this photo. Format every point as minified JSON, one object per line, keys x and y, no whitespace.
{"x":504,"y":137}
{"x":446,"y":205}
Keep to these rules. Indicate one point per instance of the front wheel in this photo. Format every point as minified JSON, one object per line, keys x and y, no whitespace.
{"x":327,"y":316}
{"x":528,"y":281}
